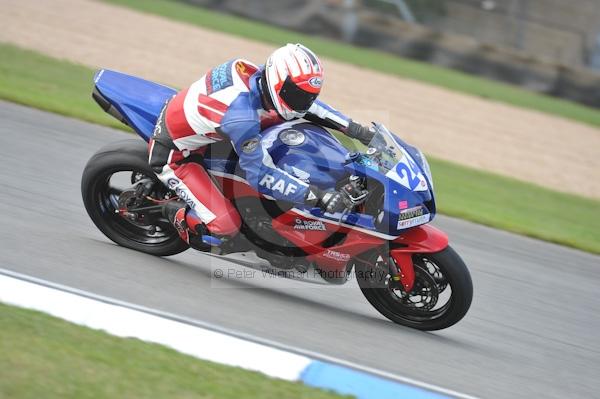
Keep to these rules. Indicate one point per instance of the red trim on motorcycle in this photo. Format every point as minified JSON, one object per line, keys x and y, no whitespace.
{"x":420,"y":239}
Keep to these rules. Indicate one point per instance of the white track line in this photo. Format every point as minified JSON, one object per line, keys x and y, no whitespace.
{"x":276,"y":346}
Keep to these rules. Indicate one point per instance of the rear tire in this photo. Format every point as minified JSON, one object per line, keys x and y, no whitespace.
{"x":123,"y":156}
{"x":454,"y":275}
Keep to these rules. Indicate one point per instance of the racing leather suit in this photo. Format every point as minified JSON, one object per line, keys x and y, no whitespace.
{"x":225,"y":104}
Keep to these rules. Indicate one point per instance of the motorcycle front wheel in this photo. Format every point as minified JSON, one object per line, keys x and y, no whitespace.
{"x":441,"y":295}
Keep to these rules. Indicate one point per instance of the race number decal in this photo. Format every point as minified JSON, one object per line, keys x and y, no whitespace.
{"x":407,"y":173}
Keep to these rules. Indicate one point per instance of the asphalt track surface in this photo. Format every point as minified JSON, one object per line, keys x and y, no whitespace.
{"x":533,"y":329}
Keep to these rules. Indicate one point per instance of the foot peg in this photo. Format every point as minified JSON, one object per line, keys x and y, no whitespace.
{"x":212,"y":241}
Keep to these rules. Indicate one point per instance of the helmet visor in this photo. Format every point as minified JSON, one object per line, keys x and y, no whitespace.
{"x":296,"y":98}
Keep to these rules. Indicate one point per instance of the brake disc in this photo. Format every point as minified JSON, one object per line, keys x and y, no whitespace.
{"x":127,"y":199}
{"x":425,"y":292}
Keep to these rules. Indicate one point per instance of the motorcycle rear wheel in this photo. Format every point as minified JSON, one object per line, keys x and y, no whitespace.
{"x":100,"y":199}
{"x":440,"y":276}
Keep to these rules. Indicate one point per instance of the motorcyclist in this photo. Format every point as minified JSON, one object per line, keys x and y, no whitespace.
{"x":235,"y":101}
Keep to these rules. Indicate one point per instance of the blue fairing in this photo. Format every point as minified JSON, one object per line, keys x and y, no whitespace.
{"x":324,"y":162}
{"x":319,"y":159}
{"x":139,"y":101}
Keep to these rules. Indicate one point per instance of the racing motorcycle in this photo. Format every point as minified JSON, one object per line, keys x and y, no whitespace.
{"x":403,"y":266}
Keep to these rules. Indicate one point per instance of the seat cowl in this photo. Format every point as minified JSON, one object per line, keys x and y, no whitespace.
{"x":135,"y":101}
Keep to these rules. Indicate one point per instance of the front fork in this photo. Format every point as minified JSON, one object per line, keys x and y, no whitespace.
{"x":420,"y":239}
{"x":402,"y":270}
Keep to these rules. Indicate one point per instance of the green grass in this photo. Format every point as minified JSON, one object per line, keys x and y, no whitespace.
{"x":517,"y":206}
{"x":65,"y":88}
{"x":372,"y":59}
{"x":29,"y":78}
{"x":45,"y":357}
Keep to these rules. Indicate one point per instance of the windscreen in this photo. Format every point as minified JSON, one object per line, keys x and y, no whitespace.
{"x":385,"y":155}
{"x":383,"y":151}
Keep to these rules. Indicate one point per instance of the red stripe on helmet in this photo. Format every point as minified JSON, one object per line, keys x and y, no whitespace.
{"x":299,"y":65}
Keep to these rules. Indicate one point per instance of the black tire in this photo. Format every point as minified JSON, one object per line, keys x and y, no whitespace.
{"x":456,"y":276}
{"x":122,"y":156}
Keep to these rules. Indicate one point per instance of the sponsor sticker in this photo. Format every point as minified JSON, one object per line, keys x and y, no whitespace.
{"x":157,"y":129}
{"x":315,"y":82}
{"x":301,"y":174}
{"x":249,"y":146}
{"x":411,"y":213}
{"x":183,"y":195}
{"x":303,"y":224}
{"x":159,"y":121}
{"x":241,"y":68}
{"x":402,"y":204}
{"x":406,"y":223}
{"x":335,"y":255}
{"x":280,"y":185}
{"x":172,"y":183}
{"x":219,"y":78}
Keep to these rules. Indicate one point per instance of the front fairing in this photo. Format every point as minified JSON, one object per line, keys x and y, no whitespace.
{"x":317,"y":158}
{"x":404,"y":174}
{"x":402,"y":208}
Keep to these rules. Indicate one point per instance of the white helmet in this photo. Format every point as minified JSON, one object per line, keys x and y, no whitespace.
{"x":292,"y":78}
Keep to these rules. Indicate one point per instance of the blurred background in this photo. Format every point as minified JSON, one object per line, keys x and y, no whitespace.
{"x":550,"y":46}
{"x":502,"y":95}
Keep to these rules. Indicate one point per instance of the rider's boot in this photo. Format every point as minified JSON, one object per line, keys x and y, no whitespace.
{"x":189,"y":229}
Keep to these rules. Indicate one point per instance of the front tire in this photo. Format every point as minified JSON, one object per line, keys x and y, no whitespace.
{"x":440,"y":277}
{"x":100,"y":199}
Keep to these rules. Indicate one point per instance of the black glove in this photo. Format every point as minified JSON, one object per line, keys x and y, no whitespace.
{"x":349,"y":196}
{"x":361,"y":133}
